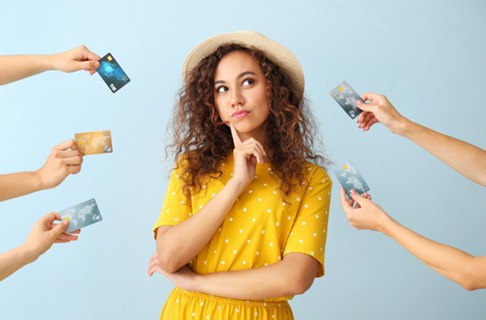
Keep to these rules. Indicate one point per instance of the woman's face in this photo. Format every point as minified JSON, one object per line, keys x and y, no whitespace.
{"x":240,"y":94}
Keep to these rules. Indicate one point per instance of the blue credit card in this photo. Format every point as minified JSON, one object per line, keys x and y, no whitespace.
{"x":347,"y":98}
{"x":350,"y":178}
{"x":111,"y":72}
{"x":81,"y":215}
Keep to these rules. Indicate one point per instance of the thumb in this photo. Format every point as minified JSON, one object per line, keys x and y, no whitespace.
{"x":356,"y":197}
{"x":59,"y":229}
{"x":89,"y":65}
{"x":365,"y":107}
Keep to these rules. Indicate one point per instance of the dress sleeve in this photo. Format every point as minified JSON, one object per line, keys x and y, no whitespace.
{"x":176,"y":207}
{"x":309,"y":232}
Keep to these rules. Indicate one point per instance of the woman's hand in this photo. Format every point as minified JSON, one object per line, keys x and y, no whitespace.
{"x":184,"y":278}
{"x":246,"y":155}
{"x":362,"y":213}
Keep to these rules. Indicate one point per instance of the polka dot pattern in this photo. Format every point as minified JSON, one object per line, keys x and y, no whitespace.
{"x":261,"y":228}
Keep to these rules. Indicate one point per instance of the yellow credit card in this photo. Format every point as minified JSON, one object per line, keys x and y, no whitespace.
{"x":95,"y":142}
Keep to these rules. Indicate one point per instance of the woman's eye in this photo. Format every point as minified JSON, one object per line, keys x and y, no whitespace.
{"x":221,"y":89}
{"x":248,"y":82}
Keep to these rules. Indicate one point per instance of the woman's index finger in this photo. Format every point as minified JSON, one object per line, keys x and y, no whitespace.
{"x":234,"y":134}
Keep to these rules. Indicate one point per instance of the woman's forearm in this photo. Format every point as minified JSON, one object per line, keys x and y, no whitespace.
{"x":455,"y":264}
{"x":179,"y":244}
{"x":16,"y":67}
{"x":13,"y":260}
{"x":14,"y":185}
{"x":291,"y":276}
{"x":465,"y":158}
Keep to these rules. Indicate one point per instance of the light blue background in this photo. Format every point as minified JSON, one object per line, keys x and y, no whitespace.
{"x":427,"y":57}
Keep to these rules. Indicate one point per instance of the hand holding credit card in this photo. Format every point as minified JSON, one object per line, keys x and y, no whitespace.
{"x":94,"y":142}
{"x":347,"y":98}
{"x":111,"y":72}
{"x":350,"y":178}
{"x":81,"y":215}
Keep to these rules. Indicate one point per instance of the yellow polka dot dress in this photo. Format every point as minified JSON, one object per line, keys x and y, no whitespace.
{"x":259,"y":230}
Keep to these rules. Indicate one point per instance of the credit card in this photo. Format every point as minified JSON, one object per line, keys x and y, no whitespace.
{"x":347,"y":98}
{"x":94,"y":142}
{"x":111,"y":72}
{"x":350,"y":178}
{"x":81,"y":215}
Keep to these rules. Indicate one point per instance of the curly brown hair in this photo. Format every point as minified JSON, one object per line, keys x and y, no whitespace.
{"x":204,"y":141}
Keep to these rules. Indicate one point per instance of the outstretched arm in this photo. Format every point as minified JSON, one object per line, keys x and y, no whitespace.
{"x":465,"y":158}
{"x":16,"y":67}
{"x":64,"y":159}
{"x":455,"y":264}
{"x":293,"y":275}
{"x":44,"y":233}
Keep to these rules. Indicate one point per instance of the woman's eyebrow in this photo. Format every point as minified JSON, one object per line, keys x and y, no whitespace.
{"x":241,"y":75}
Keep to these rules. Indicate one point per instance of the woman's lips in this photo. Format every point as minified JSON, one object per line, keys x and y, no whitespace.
{"x":240,"y":114}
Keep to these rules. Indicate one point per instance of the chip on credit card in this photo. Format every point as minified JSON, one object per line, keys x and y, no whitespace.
{"x":347,"y":98}
{"x":94,"y":142}
{"x":111,"y":72}
{"x":81,"y":215}
{"x":350,"y":178}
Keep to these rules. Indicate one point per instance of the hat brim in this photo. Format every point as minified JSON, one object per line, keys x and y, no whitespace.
{"x":277,"y":53}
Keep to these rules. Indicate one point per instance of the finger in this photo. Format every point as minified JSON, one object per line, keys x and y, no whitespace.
{"x":253,"y":161}
{"x":366,"y":124}
{"x":59,"y":229}
{"x":89,"y":65}
{"x":361,"y":117}
{"x":73,"y":160}
{"x":344,"y":200}
{"x":251,"y":150}
{"x":234,"y":134}
{"x":366,"y":195}
{"x":256,"y":149}
{"x":153,"y":266}
{"x":57,"y":215}
{"x":48,"y":220}
{"x":73,"y":169}
{"x":61,"y":241}
{"x":371,"y":123}
{"x":154,"y":269}
{"x":356,"y":197}
{"x":368,"y":116}
{"x":68,"y":144}
{"x":68,"y":153}
{"x":262,"y":150}
{"x":90,"y":54}
{"x":366,"y":106}
{"x":75,"y":232}
{"x":67,"y":237}
{"x":350,"y":202}
{"x":370,"y":96}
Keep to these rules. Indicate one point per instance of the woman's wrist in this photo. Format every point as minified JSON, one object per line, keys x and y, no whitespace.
{"x":236,"y":186}
{"x":27,"y":254}
{"x":404,"y":127}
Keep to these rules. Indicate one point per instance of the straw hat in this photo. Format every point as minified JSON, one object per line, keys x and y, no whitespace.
{"x":250,"y":39}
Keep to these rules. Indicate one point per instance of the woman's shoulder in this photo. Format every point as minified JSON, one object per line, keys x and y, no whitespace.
{"x":314,"y":171}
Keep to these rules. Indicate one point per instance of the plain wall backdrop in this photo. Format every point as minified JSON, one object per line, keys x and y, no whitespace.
{"x":428,"y":57}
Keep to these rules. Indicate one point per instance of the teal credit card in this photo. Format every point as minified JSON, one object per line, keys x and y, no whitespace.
{"x":81,"y":215}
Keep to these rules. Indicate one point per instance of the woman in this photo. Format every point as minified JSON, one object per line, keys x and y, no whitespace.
{"x":244,"y":220}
